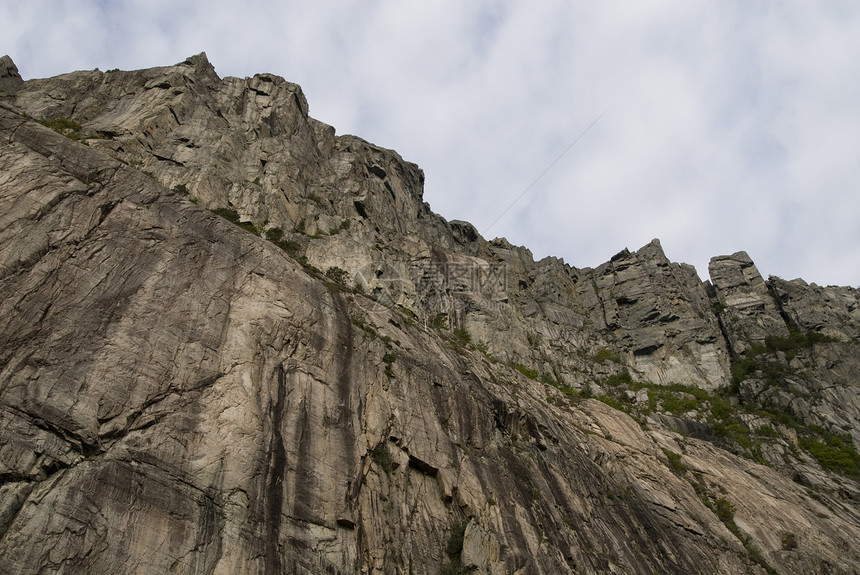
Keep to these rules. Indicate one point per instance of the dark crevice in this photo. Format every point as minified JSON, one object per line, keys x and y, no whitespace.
{"x":786,"y":318}
{"x":136,"y":414}
{"x":170,"y":472}
{"x":715,"y":306}
{"x":175,"y":117}
{"x":360,"y":209}
{"x":423,"y":466}
{"x":210,"y":526}
{"x":345,"y":354}
{"x":75,"y":442}
{"x":166,"y":159}
{"x":377,"y":171}
{"x":105,"y":210}
{"x":298,"y":104}
{"x":275,"y":480}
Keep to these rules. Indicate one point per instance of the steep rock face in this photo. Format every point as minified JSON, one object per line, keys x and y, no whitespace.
{"x":749,"y":312}
{"x":832,"y":311}
{"x":244,"y":143}
{"x":249,"y":144}
{"x":828,"y":387}
{"x":10,"y":79}
{"x":178,"y":395}
{"x":661,"y":315}
{"x":237,"y":432}
{"x":799,"y":342}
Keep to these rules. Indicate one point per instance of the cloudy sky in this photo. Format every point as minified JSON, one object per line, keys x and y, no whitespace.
{"x":715,"y":126}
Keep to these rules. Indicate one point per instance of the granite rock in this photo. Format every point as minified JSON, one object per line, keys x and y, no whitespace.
{"x":341,"y":381}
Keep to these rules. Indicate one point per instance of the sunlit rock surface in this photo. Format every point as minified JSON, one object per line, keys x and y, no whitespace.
{"x":341,"y":381}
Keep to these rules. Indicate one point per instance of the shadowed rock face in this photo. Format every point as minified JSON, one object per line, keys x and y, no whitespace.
{"x":374,"y":389}
{"x":10,"y":79}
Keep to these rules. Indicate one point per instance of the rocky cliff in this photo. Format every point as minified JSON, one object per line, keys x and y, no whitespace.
{"x":235,"y":342}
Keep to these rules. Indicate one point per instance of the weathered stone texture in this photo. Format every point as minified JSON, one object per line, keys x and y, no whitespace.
{"x":178,"y":395}
{"x":10,"y":79}
{"x":661,"y":316}
{"x":749,"y":311}
{"x":832,"y":310}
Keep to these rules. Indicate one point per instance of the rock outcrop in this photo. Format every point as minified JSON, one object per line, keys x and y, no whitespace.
{"x":324,"y":376}
{"x":10,"y":79}
{"x":748,"y":310}
{"x":662,"y":316}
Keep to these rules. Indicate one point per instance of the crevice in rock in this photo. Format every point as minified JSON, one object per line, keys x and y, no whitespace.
{"x":422,"y":466}
{"x":346,"y":340}
{"x":275,"y":479}
{"x":168,"y":159}
{"x":175,"y":117}
{"x":377,"y":171}
{"x":76,"y":442}
{"x":360,"y":209}
{"x":210,"y":525}
{"x":106,"y":209}
{"x":106,"y":440}
{"x":724,"y":332}
{"x":783,"y":313}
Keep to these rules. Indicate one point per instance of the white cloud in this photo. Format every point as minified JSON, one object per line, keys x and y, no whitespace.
{"x":730,"y":125}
